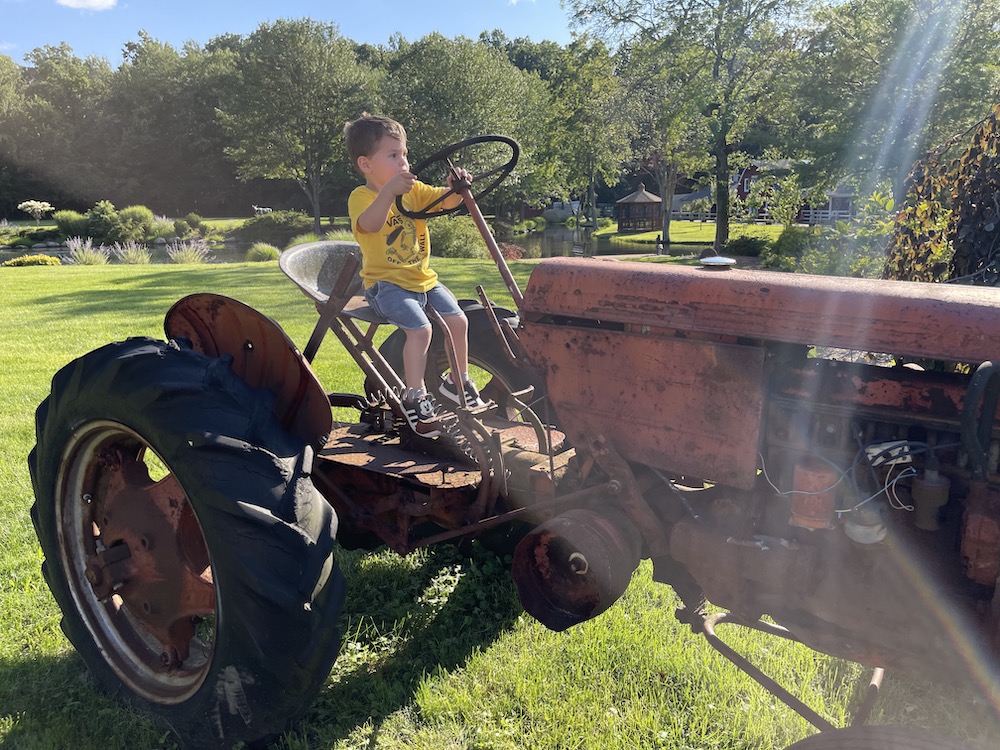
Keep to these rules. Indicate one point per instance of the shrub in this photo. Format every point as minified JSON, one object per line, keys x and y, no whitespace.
{"x":161,"y":227}
{"x":260,"y":252}
{"x":83,"y":253}
{"x":571,"y":222}
{"x":189,"y":252}
{"x":301,"y":239}
{"x":102,"y":221}
{"x":603,"y":222}
{"x":510,"y":251}
{"x":787,"y":252}
{"x":275,"y":228}
{"x":181,"y":228}
{"x":343,"y":235}
{"x":132,"y":253}
{"x":456,"y":237}
{"x":133,"y":225}
{"x":747,"y":246}
{"x":193,"y":220}
{"x":71,"y":223}
{"x":32,"y":260}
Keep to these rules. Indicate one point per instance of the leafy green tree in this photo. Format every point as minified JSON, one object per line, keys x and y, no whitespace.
{"x":161,"y":118}
{"x":881,"y":81}
{"x":742,"y":48}
{"x":446,"y":90}
{"x":672,"y":138}
{"x":298,"y":82}
{"x":592,"y":103}
{"x":11,"y":101}
{"x":59,"y":135}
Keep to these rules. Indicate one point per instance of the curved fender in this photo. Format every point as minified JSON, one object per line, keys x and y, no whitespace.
{"x":262,"y":355}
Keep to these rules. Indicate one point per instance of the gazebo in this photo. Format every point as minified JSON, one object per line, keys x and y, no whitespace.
{"x":639,"y":211}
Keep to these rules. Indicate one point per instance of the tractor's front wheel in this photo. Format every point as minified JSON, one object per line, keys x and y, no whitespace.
{"x":184,"y":541}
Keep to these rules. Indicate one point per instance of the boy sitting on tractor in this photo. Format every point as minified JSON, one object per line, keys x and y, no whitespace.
{"x":395,"y":261}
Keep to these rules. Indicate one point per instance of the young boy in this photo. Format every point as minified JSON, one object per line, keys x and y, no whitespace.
{"x":395,"y":261}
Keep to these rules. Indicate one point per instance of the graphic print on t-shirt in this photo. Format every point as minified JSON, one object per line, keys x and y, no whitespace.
{"x":401,"y":242}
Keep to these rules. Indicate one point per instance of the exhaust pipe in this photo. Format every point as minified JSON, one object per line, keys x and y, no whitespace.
{"x":575,"y":566}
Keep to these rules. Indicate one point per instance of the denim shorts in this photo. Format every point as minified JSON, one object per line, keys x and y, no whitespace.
{"x":405,"y":309}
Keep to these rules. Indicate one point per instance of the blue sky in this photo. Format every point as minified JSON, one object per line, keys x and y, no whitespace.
{"x":102,"y":27}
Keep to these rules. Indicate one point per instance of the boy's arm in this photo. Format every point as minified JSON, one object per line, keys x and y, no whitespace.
{"x":373,"y":217}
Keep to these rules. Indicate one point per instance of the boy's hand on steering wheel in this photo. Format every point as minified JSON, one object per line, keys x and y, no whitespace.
{"x":459,"y":176}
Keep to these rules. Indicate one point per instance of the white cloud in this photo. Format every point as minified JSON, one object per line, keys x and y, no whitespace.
{"x":88,"y":4}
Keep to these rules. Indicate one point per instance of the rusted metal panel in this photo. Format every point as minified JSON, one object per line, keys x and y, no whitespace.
{"x":930,"y":398}
{"x":671,"y":403}
{"x":263,"y":356}
{"x":352,"y":445}
{"x":936,"y":321}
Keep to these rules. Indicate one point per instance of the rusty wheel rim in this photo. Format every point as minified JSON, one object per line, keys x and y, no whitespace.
{"x":136,"y":561}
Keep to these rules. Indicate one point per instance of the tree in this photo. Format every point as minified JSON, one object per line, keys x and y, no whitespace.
{"x":672,"y":137}
{"x":742,"y":46}
{"x":591,"y":102}
{"x":446,"y":90}
{"x":299,"y":81}
{"x":884,"y":80}
{"x":11,"y":100}
{"x":59,"y":138}
{"x":36,"y":209}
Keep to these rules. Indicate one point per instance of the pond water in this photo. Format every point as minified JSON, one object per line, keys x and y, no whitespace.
{"x":553,"y":242}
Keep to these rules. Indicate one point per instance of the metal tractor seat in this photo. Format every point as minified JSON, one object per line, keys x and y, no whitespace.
{"x":328,"y":272}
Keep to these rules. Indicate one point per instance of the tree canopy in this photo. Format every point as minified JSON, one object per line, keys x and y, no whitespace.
{"x":682,"y":90}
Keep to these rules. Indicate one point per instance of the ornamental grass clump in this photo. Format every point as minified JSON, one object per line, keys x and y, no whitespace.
{"x":261,"y":252}
{"x":132,"y":253}
{"x":83,"y":253}
{"x":189,"y":252}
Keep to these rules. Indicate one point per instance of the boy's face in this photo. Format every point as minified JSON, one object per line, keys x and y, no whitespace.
{"x":385,"y":162}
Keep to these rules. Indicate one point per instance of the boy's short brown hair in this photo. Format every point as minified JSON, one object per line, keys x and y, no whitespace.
{"x":364,"y":134}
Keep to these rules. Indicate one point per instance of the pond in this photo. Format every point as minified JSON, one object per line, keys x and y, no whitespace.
{"x":558,"y":241}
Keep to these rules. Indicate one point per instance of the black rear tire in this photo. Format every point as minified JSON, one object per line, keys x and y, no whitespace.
{"x":886,"y":737}
{"x":161,"y":451}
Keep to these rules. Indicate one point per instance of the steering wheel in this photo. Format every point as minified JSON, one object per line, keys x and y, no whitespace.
{"x":493,"y":176}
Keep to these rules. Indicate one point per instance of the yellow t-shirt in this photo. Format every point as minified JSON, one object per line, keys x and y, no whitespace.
{"x":400,"y":250}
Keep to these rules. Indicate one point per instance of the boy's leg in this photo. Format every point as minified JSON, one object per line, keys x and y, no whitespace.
{"x":442,"y":300}
{"x":418,"y":341}
{"x":405,"y":309}
{"x":458,"y":327}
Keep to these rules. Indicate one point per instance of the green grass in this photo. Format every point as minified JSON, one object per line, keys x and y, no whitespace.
{"x":693,"y":232}
{"x":438,"y":653}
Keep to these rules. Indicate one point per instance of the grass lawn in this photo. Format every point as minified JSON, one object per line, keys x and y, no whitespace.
{"x":438,"y":653}
{"x":693,"y":232}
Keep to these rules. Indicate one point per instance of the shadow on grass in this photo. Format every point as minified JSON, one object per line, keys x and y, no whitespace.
{"x":430,"y":628}
{"x":50,"y":703}
{"x":405,"y":621}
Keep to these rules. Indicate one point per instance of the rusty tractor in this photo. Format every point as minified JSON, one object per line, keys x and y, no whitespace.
{"x":191,"y":493}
